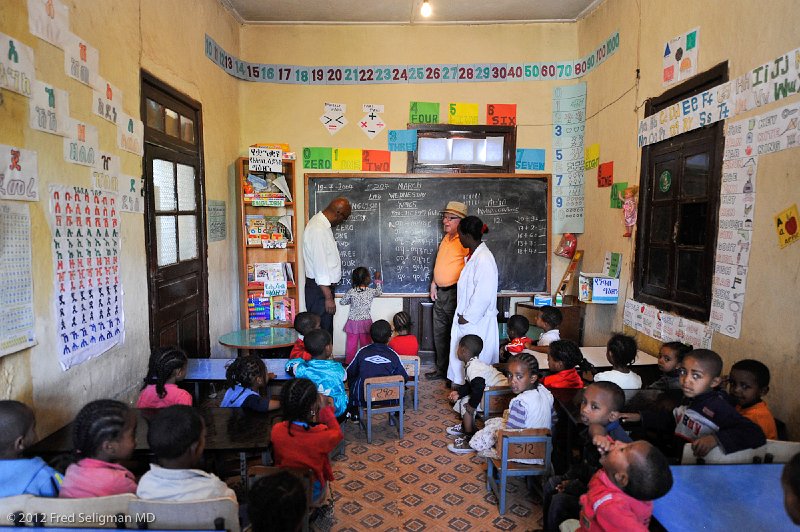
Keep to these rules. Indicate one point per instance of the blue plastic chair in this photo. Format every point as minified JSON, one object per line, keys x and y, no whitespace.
{"x":514,"y":444}
{"x":389,"y":389}
{"x":495,"y":400}
{"x":411,"y":365}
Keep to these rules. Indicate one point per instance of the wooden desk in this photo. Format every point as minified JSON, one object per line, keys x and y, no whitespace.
{"x":596,"y":356}
{"x":724,"y":497}
{"x":227,"y":430}
{"x":213,"y":369}
{"x":265,"y":338}
{"x":571,"y":327}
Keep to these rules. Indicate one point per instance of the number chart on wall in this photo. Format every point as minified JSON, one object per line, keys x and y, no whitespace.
{"x":396,"y":225}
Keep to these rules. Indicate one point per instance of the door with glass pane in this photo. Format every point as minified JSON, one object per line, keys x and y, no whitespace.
{"x":175,"y":224}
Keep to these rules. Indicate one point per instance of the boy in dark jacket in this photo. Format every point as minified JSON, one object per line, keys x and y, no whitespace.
{"x":22,"y":476}
{"x":374,"y":360}
{"x":706,"y":418}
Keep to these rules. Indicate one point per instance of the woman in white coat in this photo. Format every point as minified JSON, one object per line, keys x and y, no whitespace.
{"x":476,"y":310}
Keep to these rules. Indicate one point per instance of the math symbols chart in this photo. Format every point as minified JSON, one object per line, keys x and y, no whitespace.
{"x":372,"y":123}
{"x":16,"y":278}
{"x":333,"y":118}
{"x":88,"y":292}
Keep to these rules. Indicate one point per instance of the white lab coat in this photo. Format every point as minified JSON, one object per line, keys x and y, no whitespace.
{"x":477,"y":302}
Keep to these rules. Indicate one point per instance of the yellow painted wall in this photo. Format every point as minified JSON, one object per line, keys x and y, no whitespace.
{"x":746,"y":34}
{"x":130,"y":35}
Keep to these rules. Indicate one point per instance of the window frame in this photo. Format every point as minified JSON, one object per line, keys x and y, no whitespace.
{"x":689,"y":305}
{"x":451,"y":131}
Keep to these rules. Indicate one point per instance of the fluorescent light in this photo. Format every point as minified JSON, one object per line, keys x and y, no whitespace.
{"x":425,"y":10}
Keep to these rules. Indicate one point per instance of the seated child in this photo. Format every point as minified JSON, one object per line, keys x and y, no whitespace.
{"x":562,"y":359}
{"x":308,"y":433}
{"x":669,"y":358}
{"x":282,"y":490}
{"x":103,"y":433}
{"x":304,"y":323}
{"x":705,"y":418}
{"x":549,"y":319}
{"x":621,"y":354}
{"x":601,"y":405}
{"x":177,"y":436}
{"x":326,"y":373}
{"x":747,"y":384}
{"x":517,"y":328}
{"x":18,"y":475}
{"x":403,"y":342}
{"x":620,"y":496}
{"x":246,"y":379}
{"x":374,"y":360}
{"x":532,"y":408}
{"x":468,"y":396}
{"x":790,"y":481}
{"x":167,"y":367}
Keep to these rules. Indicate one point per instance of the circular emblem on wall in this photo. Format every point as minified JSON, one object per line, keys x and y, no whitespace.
{"x":665,"y":181}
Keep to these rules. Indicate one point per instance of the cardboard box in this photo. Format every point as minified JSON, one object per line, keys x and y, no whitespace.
{"x":598,"y":288}
{"x":540,"y":300}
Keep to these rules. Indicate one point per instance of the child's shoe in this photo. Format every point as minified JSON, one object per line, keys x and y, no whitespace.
{"x":461,"y":446}
{"x":455,"y":430}
{"x":353,"y":416}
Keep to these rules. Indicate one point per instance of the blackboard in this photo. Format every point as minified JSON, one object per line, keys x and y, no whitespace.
{"x":396,"y":225}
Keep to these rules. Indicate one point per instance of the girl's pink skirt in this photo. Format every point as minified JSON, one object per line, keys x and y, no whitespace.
{"x":357,"y":326}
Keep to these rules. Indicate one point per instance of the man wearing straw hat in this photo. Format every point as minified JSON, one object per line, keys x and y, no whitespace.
{"x":446,"y":270}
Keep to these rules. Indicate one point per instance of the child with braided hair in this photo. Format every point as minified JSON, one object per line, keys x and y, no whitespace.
{"x":532,"y":408}
{"x":403,"y":342}
{"x":308,"y":433}
{"x":160,"y":389}
{"x":246,"y":379}
{"x":103,"y":433}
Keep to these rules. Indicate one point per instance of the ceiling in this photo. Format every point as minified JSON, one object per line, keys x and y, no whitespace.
{"x":406,"y":11}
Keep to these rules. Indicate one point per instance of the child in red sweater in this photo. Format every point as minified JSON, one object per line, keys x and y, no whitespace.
{"x":403,"y":342}
{"x":563,"y":358}
{"x":304,"y":323}
{"x":308,"y":433}
{"x":517,"y":328}
{"x":621,"y":495}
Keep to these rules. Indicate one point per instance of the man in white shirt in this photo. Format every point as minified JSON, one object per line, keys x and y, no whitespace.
{"x":322,"y":262}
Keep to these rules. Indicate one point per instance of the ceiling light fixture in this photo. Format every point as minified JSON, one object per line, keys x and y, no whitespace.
{"x":425,"y":10}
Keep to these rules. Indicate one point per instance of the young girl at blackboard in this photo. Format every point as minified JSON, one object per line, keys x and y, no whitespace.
{"x":359,"y":320}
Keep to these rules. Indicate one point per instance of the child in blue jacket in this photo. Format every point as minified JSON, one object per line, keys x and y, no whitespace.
{"x":18,"y":475}
{"x":327,"y":374}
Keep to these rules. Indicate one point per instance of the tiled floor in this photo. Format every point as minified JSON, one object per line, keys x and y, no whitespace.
{"x":416,"y":483}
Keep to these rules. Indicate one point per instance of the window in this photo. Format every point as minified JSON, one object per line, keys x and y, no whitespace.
{"x":678,"y":207}
{"x":447,"y":148}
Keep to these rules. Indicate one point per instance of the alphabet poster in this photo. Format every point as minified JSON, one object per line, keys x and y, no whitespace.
{"x":81,"y":60}
{"x":88,"y":293}
{"x":16,"y":279}
{"x":49,"y":109}
{"x":130,"y":134}
{"x":19,"y":174}
{"x":81,"y":143}
{"x":49,"y":20}
{"x":131,"y":195}
{"x":17,"y":70}
{"x":107,"y":101}
{"x":105,"y":175}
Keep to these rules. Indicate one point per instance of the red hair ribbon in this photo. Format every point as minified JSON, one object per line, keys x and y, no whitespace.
{"x":484,"y":229}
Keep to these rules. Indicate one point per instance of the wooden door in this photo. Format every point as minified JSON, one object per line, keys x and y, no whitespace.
{"x":175,"y":222}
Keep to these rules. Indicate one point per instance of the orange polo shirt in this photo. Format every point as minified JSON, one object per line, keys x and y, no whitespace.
{"x":449,"y":261}
{"x":760,"y":415}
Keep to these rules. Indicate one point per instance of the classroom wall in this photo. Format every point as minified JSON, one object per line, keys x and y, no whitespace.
{"x":290,"y":113}
{"x":130,"y":35}
{"x":746,"y":34}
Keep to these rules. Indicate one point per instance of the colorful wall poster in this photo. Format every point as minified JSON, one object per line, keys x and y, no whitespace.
{"x":17,"y":70}
{"x":786,"y":226}
{"x":617,"y":191}
{"x":17,"y":321}
{"x":317,"y":158}
{"x":263,"y":159}
{"x":501,"y":114}
{"x":81,"y":145}
{"x":130,"y":134}
{"x":529,"y":159}
{"x":464,"y":114}
{"x":426,"y":73}
{"x":666,"y":327}
{"x":680,"y":57}
{"x":591,"y":156}
{"x":345,"y":159}
{"x":105,"y":174}
{"x":423,"y":113}
{"x":81,"y":60}
{"x":605,"y":174}
{"x":49,"y":109}
{"x":372,"y":123}
{"x":19,"y":174}
{"x":569,"y":122}
{"x":49,"y":20}
{"x":217,"y":224}
{"x":333,"y":118}
{"x":375,"y":160}
{"x":402,"y":140}
{"x":88,"y":294}
{"x":131,"y":196}
{"x":107,"y":101}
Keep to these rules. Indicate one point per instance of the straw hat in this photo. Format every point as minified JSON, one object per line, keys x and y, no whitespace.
{"x":457,"y":208}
